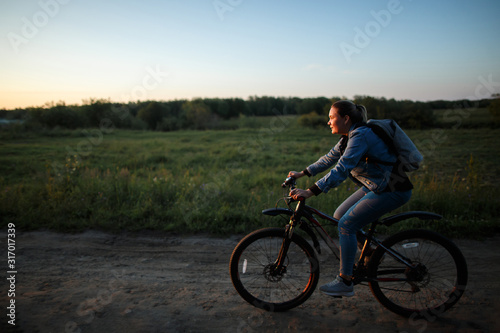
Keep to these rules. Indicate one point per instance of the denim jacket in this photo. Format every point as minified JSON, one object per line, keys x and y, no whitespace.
{"x":363,"y":145}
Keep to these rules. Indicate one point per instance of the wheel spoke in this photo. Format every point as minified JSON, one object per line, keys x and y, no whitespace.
{"x":437,"y":267}
{"x":260,"y":284}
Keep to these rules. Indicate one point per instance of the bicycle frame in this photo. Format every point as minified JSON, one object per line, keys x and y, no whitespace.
{"x":308,"y":212}
{"x":415,"y":273}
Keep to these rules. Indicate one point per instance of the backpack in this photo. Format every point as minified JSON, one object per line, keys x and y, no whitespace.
{"x":398,"y":142}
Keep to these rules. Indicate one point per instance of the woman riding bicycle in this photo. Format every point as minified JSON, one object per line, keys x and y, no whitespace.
{"x":364,"y":157}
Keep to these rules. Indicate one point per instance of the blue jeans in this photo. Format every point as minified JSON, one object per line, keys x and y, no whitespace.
{"x":361,"y":208}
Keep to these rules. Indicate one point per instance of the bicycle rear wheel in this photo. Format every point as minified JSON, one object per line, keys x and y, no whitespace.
{"x":252,"y":274}
{"x":435,"y":283}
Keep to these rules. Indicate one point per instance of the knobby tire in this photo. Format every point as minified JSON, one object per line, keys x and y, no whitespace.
{"x":250,"y":270}
{"x":434,"y":287}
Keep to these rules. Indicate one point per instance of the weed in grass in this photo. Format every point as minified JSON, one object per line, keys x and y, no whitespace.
{"x":219,"y":181}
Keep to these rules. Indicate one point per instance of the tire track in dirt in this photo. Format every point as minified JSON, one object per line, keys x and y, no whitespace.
{"x":153,"y":282}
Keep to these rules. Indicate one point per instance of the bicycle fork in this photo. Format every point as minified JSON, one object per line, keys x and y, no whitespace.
{"x":279,"y":267}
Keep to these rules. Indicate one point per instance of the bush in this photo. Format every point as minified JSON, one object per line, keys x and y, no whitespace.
{"x":198,"y":115}
{"x":170,"y":123}
{"x":151,"y":114}
{"x":494,"y":109}
{"x":312,"y":120}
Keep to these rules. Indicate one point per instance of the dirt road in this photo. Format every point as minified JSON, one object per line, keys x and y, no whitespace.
{"x":147,"y":282}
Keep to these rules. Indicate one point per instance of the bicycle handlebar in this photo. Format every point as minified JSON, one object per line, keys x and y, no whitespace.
{"x":290,"y":181}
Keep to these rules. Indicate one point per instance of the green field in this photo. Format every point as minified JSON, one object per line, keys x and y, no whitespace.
{"x":219,"y":181}
{"x":464,"y":118}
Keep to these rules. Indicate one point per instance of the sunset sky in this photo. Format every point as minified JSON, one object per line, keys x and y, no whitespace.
{"x":74,"y":50}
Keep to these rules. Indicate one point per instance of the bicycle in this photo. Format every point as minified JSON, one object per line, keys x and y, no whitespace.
{"x":414,"y":273}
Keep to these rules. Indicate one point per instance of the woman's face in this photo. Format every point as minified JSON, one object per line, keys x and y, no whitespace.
{"x":338,"y":124}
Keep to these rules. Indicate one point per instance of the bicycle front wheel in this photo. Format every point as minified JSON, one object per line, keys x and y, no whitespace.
{"x":435,"y":281}
{"x":253,"y":276}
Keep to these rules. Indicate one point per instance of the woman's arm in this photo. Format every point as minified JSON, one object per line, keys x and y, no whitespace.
{"x":325,"y":162}
{"x":355,"y":150}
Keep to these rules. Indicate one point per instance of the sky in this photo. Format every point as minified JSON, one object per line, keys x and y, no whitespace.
{"x":76,"y":50}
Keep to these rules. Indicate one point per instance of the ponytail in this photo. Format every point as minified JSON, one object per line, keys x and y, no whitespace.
{"x":362,"y":111}
{"x":357,"y":113}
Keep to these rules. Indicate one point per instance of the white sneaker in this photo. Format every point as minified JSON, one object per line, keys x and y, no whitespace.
{"x":337,"y":288}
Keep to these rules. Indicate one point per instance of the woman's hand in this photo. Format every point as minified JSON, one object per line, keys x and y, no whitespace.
{"x":296,"y":174}
{"x":296,"y":193}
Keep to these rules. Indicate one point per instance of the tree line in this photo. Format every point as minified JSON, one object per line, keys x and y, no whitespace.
{"x":210,"y":113}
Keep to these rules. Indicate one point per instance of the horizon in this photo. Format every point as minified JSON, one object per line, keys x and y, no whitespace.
{"x":68,"y":51}
{"x":89,"y":101}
